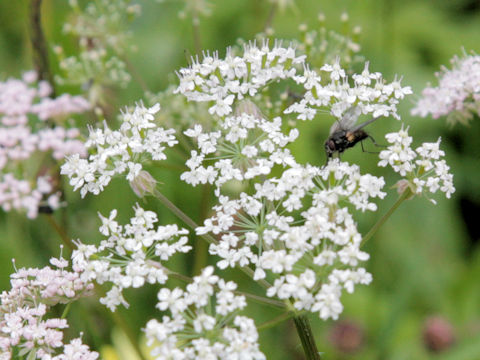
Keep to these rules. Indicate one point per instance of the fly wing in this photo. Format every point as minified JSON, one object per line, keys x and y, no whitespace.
{"x":365,"y":123}
{"x":348,"y":120}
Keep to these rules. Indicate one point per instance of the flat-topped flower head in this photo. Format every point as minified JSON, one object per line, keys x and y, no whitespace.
{"x":221,"y":82}
{"x":131,"y":255}
{"x":244,"y":147}
{"x":423,"y":169}
{"x":114,"y":152}
{"x":215,"y":332}
{"x":298,"y":230}
{"x":368,"y":92}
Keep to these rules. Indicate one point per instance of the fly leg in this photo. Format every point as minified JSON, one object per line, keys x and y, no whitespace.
{"x":374,"y":143}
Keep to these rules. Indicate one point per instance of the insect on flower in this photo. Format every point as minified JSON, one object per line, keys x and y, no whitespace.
{"x":344,"y":135}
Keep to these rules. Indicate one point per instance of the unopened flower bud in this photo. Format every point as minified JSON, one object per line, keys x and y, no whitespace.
{"x":143,"y":184}
{"x":401,"y":186}
{"x":438,"y":334}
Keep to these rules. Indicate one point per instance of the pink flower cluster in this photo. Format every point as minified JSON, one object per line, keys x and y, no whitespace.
{"x":23,"y":328}
{"x":457,"y":95}
{"x":25,"y":138}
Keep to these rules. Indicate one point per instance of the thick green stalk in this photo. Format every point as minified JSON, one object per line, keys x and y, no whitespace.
{"x":305,"y":333}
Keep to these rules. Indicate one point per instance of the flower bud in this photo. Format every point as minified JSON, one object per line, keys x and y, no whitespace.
{"x":402,"y":186}
{"x":438,"y":334}
{"x":143,"y":184}
{"x":346,"y":336}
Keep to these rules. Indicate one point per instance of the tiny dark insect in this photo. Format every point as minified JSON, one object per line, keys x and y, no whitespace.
{"x":344,"y":135}
{"x":45,"y":209}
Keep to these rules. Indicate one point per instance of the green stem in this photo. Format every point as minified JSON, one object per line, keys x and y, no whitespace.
{"x":61,"y":232}
{"x":279,"y":319}
{"x":271,"y":16}
{"x":405,"y":195}
{"x":39,"y":45}
{"x":305,"y":333}
{"x":197,"y":43}
{"x":181,"y":215}
{"x":66,"y":310}
{"x":135,"y":73}
{"x":201,"y":249}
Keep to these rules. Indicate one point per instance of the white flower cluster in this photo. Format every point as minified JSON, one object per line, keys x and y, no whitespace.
{"x":457,"y":95}
{"x":295,"y":229}
{"x":222,"y":81}
{"x":30,"y":146}
{"x":370,"y":94}
{"x":114,"y":152}
{"x":422,"y":168}
{"x":208,"y":332}
{"x":250,"y":146}
{"x":131,"y":255}
{"x":311,"y":257}
{"x":23,"y":327}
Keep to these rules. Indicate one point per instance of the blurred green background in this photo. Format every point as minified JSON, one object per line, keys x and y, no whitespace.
{"x":425,"y":260}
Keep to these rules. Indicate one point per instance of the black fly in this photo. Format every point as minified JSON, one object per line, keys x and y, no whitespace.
{"x":344,"y":135}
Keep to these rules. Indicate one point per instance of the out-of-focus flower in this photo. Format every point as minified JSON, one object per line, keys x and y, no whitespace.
{"x":457,"y":95}
{"x":346,"y":336}
{"x":24,"y":328}
{"x":438,"y":334}
{"x":27,"y":139}
{"x":283,"y":4}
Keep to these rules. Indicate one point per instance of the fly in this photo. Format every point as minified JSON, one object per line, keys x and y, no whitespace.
{"x":344,"y":135}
